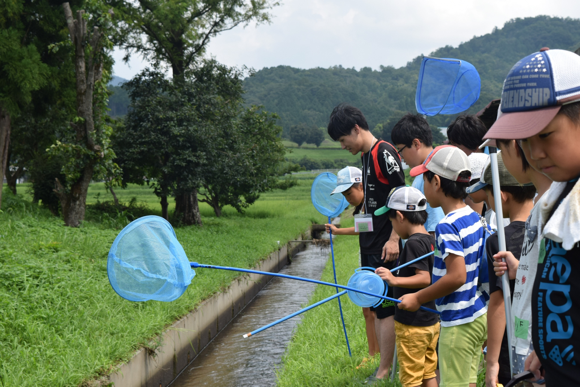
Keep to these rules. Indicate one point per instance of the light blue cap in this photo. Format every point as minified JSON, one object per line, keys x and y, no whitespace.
{"x":346,"y":178}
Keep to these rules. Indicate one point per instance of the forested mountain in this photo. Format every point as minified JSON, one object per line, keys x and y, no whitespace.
{"x":308,"y":96}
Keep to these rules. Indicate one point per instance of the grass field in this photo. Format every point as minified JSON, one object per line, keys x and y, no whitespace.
{"x":317,"y":354}
{"x":61,"y":324}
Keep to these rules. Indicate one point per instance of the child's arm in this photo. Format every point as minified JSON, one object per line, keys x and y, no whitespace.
{"x":340,"y":231}
{"x":450,"y":282}
{"x":421,"y":279}
{"x":495,"y":330}
{"x":511,"y":264}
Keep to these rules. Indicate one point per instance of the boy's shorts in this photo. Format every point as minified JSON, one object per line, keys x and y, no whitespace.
{"x":460,"y":352}
{"x":416,"y":353}
{"x":387,"y":308}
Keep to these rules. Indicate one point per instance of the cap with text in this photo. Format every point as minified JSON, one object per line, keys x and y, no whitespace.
{"x":534,"y":91}
{"x":403,"y":198}
{"x":446,"y":161}
{"x":346,"y":177}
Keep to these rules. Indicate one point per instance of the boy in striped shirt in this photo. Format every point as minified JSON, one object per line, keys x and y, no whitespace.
{"x":459,"y":236}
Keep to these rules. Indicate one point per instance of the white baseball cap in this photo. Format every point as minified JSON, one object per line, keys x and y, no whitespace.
{"x":403,"y":198}
{"x":446,"y":161}
{"x":346,"y":178}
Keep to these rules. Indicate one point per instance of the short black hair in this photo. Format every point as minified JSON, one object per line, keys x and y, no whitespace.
{"x":520,"y":194}
{"x":454,"y":189}
{"x":572,"y":111}
{"x":410,"y":127}
{"x":414,"y":217}
{"x":519,"y":150}
{"x":467,"y":130}
{"x":343,"y":119}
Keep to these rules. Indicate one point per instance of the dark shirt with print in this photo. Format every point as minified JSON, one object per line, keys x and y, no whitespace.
{"x":556,"y":310}
{"x":514,"y":239}
{"x":382,"y":171}
{"x":416,"y":246}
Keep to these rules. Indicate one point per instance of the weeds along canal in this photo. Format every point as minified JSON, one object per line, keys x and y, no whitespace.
{"x":231,"y":360}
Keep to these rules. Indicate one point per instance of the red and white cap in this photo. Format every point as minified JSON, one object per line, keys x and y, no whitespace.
{"x":446,"y":161}
{"x":534,"y":91}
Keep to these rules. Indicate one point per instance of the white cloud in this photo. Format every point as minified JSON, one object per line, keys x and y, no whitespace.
{"x":324,"y":33}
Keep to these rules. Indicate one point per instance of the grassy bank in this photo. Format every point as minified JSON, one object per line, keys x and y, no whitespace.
{"x":317,"y":354}
{"x":61,"y":323}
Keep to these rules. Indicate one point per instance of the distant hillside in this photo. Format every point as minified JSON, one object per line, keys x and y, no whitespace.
{"x":117,"y":81}
{"x":308,"y":96}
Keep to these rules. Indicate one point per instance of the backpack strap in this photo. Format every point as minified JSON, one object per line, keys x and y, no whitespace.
{"x":375,"y":152}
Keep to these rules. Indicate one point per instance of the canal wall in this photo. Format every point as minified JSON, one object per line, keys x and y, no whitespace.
{"x":159,"y":364}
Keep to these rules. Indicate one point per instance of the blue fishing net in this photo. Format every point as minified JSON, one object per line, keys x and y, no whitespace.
{"x":326,"y":204}
{"x":146,"y":262}
{"x":446,"y":86}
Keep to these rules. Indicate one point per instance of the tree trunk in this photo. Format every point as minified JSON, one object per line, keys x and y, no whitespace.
{"x":4,"y":143}
{"x":87,"y":70}
{"x":114,"y":196}
{"x":12,"y":178}
{"x":216,"y":206}
{"x":73,"y":203}
{"x":164,"y":206}
{"x":187,"y":208}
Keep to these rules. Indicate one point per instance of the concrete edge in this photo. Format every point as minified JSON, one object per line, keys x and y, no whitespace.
{"x":186,"y":338}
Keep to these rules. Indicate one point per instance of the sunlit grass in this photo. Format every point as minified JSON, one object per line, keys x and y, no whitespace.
{"x":61,"y":322}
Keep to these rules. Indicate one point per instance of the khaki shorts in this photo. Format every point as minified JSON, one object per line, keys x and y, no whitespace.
{"x":460,"y":352}
{"x":416,"y":353}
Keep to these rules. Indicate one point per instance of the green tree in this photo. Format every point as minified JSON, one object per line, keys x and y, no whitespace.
{"x":21,"y":73}
{"x":244,"y":162}
{"x":299,"y":133}
{"x":85,"y":147}
{"x":176,"y":33}
{"x":316,"y":136}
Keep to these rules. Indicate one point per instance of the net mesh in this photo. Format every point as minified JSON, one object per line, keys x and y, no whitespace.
{"x":446,"y":86}
{"x":326,"y":204}
{"x":146,"y":262}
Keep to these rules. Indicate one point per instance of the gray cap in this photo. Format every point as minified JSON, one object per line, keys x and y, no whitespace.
{"x":505,"y":178}
{"x":404,"y":199}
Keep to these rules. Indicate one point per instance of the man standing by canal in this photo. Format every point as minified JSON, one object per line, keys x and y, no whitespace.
{"x":379,"y":244}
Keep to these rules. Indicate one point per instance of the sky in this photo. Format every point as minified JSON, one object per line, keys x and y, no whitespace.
{"x":363,"y":33}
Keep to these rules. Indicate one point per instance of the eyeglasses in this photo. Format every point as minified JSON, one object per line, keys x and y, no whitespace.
{"x":401,"y":150}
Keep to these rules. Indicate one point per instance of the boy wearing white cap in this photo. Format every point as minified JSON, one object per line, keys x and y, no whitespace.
{"x":541,"y":107}
{"x":455,"y":287}
{"x":417,"y":332}
{"x":349,"y":183}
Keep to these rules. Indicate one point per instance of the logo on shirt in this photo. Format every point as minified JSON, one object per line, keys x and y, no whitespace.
{"x":391,"y":163}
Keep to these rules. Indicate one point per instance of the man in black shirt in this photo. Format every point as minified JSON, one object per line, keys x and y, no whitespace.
{"x":382,"y":171}
{"x":417,"y":332}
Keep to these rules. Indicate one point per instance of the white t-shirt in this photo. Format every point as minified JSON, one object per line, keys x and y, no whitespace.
{"x":491,"y":219}
{"x":522,"y":298}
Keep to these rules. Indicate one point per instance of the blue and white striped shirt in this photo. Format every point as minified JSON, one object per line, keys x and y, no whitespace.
{"x":460,"y":233}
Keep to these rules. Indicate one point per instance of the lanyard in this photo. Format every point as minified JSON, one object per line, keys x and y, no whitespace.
{"x":366,"y":174}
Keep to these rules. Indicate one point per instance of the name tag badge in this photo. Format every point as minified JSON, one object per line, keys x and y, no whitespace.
{"x":363,"y":223}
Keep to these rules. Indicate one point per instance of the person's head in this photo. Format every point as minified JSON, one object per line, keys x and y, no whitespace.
{"x":406,"y":207}
{"x":515,"y":160}
{"x":512,"y":191}
{"x":446,"y":174}
{"x":541,"y":107}
{"x":413,"y":138}
{"x":466,"y":132}
{"x":345,"y":125}
{"x":349,"y":183}
{"x":477,"y":162}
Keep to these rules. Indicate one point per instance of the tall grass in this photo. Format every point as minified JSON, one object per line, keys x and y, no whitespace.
{"x":61,"y":324}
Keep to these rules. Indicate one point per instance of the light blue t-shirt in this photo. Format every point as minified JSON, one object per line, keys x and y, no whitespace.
{"x":460,"y":233}
{"x":434,"y":215}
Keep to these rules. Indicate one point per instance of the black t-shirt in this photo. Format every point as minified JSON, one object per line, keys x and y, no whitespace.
{"x":382,"y":171}
{"x":514,"y":239}
{"x":556,"y":310}
{"x":416,"y":246}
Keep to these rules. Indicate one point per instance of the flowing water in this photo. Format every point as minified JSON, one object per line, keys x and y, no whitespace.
{"x":231,"y":360}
